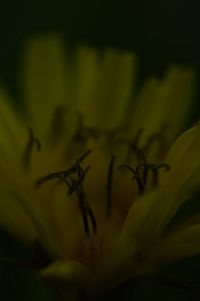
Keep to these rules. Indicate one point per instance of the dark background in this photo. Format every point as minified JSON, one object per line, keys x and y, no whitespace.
{"x":161,"y":32}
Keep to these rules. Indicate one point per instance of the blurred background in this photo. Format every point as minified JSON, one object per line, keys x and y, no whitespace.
{"x":161,"y":32}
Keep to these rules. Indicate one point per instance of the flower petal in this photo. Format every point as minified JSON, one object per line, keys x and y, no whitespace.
{"x":165,"y":102}
{"x":141,"y":225}
{"x":184,"y":175}
{"x":38,"y":215}
{"x":105,"y":84}
{"x":177,"y":245}
{"x":149,"y":215}
{"x":44,"y":80}
{"x":67,"y":272}
{"x":12,"y":133}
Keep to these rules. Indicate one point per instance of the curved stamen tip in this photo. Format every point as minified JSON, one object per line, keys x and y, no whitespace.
{"x":127,"y":167}
{"x":64,"y":174}
{"x":85,"y":155}
{"x":164,"y":166}
{"x":141,"y":171}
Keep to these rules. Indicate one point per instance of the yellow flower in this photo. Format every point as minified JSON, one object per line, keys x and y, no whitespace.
{"x":91,"y":170}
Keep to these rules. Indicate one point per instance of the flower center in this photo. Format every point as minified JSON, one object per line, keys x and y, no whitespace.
{"x":103,"y":190}
{"x":145,"y":174}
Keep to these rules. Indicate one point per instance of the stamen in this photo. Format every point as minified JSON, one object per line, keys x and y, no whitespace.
{"x":149,"y":166}
{"x":164,"y":166}
{"x":84,"y":213}
{"x":84,"y":205}
{"x":85,"y":155}
{"x":85,"y":209}
{"x":109,"y":185}
{"x":56,"y":175}
{"x":136,"y":176}
{"x":75,"y":185}
{"x":62,"y":174}
{"x":80,"y":180}
{"x":145,"y":172}
{"x":32,"y":141}
{"x":141,"y":172}
{"x":93,"y":220}
{"x":144,"y":164}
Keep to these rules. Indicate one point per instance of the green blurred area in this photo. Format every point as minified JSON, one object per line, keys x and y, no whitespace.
{"x":160,"y":32}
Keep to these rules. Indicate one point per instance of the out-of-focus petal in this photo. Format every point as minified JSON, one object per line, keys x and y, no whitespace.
{"x":68,"y":273}
{"x":105,"y":84}
{"x":12,"y":133}
{"x":177,"y":245}
{"x":44,"y":80}
{"x":165,"y":102}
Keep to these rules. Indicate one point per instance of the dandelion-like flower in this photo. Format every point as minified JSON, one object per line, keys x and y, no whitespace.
{"x":93,"y":177}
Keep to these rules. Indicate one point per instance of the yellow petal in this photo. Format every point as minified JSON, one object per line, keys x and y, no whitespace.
{"x":43,"y":80}
{"x":184,"y":175}
{"x":181,"y":146}
{"x":177,"y":245}
{"x":105,"y":84}
{"x":178,"y":91}
{"x":12,"y":133}
{"x":71,"y":274}
{"x":149,"y":216}
{"x":67,"y":221}
{"x":146,"y":107}
{"x":40,"y":217}
{"x":165,"y":102}
{"x":142,"y":223}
